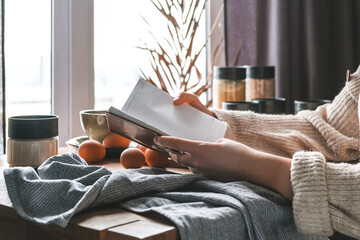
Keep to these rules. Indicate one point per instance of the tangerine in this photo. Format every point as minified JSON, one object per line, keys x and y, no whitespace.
{"x":92,"y":151}
{"x":156,"y":159}
{"x":132,"y":158}
{"x":141,"y":147}
{"x":115,"y":140}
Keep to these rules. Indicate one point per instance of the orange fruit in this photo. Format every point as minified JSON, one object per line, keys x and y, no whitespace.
{"x":132,"y":158}
{"x":161,"y":160}
{"x":141,"y":147}
{"x":92,"y":151}
{"x":115,"y":140}
{"x":156,"y":159}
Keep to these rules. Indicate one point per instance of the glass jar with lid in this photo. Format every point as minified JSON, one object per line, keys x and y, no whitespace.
{"x":228,"y":85}
{"x":32,"y":139}
{"x":260,"y":82}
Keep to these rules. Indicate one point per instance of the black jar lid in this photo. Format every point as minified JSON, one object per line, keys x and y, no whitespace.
{"x":308,"y":104}
{"x":271,"y":105}
{"x":33,"y":126}
{"x":241,"y":105}
{"x":260,"y":72}
{"x":230,"y":73}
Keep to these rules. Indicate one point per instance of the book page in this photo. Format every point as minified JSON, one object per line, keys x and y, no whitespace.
{"x":153,"y":106}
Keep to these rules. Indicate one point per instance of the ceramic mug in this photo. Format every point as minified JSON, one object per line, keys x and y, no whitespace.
{"x":94,"y":124}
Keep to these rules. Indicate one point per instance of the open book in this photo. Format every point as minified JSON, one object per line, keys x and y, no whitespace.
{"x":149,"y":112}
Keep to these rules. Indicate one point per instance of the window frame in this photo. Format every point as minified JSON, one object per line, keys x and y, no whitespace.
{"x":72,"y":64}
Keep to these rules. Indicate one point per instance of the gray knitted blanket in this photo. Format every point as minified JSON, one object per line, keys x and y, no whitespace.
{"x":200,"y":209}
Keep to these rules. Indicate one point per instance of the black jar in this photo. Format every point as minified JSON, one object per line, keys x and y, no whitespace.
{"x":300,"y":105}
{"x":32,"y":139}
{"x":271,"y":105}
{"x":241,"y":106}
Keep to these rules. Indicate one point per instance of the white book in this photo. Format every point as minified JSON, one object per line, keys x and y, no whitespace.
{"x":150,"y":112}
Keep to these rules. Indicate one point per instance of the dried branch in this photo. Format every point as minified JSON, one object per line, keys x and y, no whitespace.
{"x":174,"y":56}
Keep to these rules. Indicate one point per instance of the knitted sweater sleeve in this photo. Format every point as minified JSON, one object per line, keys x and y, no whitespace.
{"x":278,"y":134}
{"x":326,"y":195}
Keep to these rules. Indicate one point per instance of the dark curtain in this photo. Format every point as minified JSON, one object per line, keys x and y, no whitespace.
{"x":2,"y":81}
{"x":311,"y":43}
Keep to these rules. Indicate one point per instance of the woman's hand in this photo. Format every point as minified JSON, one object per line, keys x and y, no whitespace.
{"x":193,"y":101}
{"x":227,"y":160}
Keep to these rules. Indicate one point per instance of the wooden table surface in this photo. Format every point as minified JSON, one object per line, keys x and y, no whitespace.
{"x":105,"y":223}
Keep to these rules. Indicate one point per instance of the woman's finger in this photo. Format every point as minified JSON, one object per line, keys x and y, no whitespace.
{"x":185,"y":160}
{"x":193,"y":101}
{"x":180,"y":144}
{"x":181,"y":158}
{"x":184,"y":97}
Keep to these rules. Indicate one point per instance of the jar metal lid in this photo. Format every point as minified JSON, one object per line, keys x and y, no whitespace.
{"x":33,"y":126}
{"x":271,"y":105}
{"x":308,"y":104}
{"x":230,"y":73}
{"x":260,"y":72}
{"x":241,"y":105}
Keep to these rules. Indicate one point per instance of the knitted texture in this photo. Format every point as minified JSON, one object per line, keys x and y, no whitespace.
{"x":326,"y":195}
{"x":278,"y":134}
{"x":339,"y":122}
{"x":311,"y":208}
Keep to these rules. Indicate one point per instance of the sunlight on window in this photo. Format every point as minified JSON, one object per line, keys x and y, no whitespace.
{"x":27,"y":57}
{"x":119,"y":29}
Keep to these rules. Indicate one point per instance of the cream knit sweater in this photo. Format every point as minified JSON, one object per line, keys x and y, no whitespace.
{"x":324,"y":146}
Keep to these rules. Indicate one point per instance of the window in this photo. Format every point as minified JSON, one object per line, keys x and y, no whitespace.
{"x":27,"y":53}
{"x":50,"y":48}
{"x":117,"y":27}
